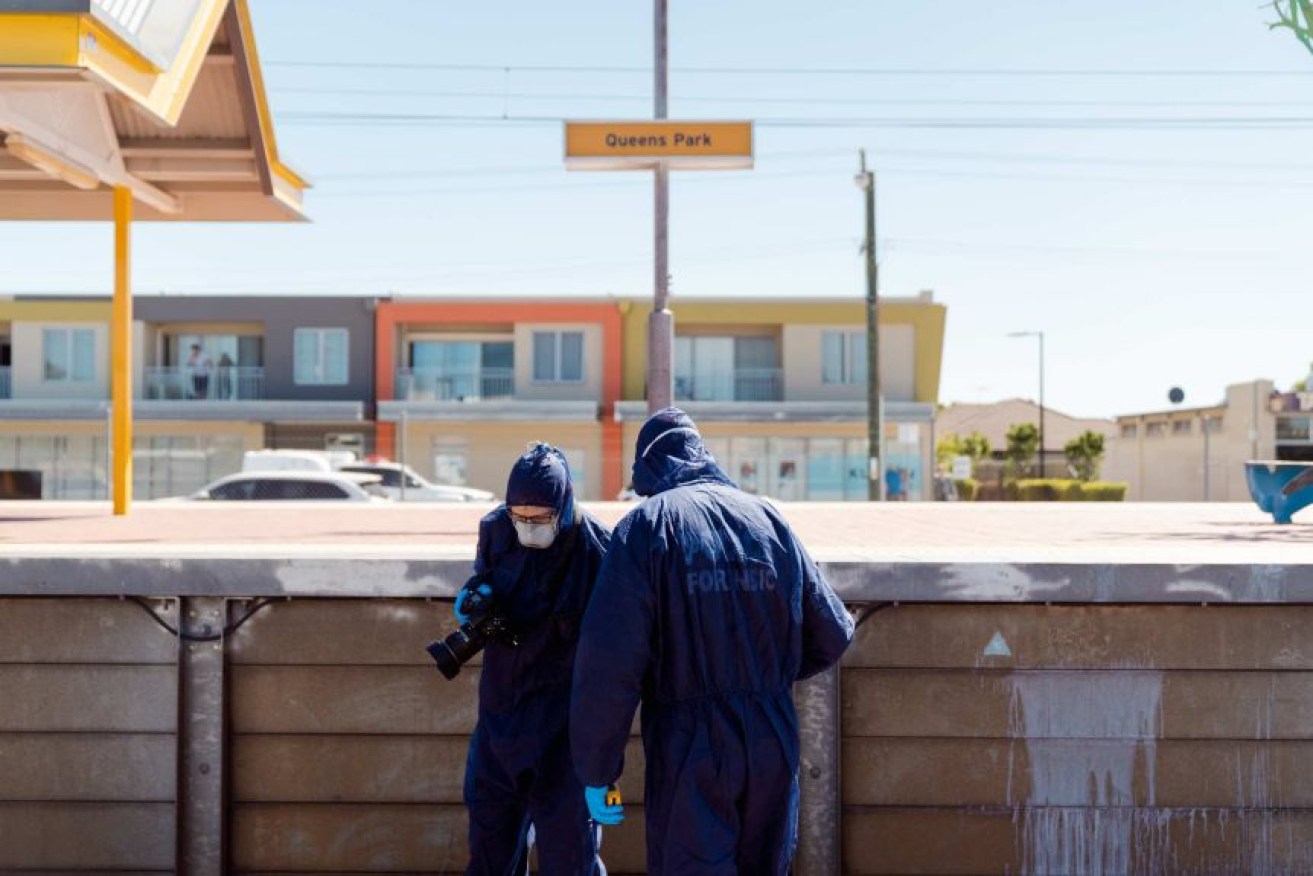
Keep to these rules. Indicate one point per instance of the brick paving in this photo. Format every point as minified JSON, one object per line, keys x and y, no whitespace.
{"x":895,"y":532}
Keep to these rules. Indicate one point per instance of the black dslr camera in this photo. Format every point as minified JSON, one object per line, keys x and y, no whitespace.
{"x":484,"y":625}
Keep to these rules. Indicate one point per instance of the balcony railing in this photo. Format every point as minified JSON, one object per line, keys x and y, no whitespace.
{"x":438,"y":384}
{"x":6,"y":389}
{"x":174,"y":383}
{"x":741,"y":384}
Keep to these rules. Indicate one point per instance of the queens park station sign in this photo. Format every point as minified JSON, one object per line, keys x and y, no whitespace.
{"x":647,"y":145}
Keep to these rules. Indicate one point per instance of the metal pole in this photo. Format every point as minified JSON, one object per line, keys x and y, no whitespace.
{"x":121,"y":353}
{"x":1204,"y":423}
{"x":401,"y":452}
{"x":201,"y":767}
{"x":661,"y":324}
{"x":1041,"y":403}
{"x":820,"y":823}
{"x":874,"y":411}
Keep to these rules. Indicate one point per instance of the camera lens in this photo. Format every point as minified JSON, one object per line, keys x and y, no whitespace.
{"x":456,"y":650}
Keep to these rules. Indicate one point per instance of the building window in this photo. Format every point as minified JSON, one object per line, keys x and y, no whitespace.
{"x":1288,"y":428}
{"x":558,"y":357}
{"x":718,"y":368}
{"x":1128,"y":430}
{"x":70,"y":355}
{"x":843,"y":357}
{"x":1181,"y":427}
{"x":1155,"y":429}
{"x":320,"y":356}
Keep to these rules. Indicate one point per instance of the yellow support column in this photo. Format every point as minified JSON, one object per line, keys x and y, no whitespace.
{"x":120,"y":343}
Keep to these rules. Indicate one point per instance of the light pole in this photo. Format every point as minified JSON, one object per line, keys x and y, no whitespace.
{"x":865,"y":180}
{"x":1039,"y":335}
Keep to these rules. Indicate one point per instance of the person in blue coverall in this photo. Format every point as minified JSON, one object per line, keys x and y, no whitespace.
{"x":538,"y":555}
{"x":707,"y":610}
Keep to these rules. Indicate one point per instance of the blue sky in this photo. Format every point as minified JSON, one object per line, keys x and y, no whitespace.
{"x":1168,"y":247}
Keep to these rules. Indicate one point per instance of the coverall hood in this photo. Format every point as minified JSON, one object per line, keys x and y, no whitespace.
{"x":542,"y":477}
{"x":670,"y":453}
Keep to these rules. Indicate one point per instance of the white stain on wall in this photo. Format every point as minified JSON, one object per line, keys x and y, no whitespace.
{"x":1088,"y":737}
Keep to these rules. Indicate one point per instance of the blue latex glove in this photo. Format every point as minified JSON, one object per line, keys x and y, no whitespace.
{"x":598,"y":808}
{"x":461,"y":616}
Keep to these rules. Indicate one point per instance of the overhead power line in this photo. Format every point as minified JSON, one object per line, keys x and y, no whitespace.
{"x":789,"y":71}
{"x":804,"y":101}
{"x":1038,"y":123}
{"x":1284,"y":169}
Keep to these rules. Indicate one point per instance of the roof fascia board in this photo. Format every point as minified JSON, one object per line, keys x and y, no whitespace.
{"x":40,"y":40}
{"x":241,"y":35}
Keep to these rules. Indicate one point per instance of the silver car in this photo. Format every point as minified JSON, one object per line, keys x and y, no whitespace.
{"x":394,"y":475}
{"x":293,"y":486}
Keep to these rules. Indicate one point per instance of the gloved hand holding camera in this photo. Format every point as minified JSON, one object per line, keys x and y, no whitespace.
{"x":479,"y":624}
{"x":470,"y":602}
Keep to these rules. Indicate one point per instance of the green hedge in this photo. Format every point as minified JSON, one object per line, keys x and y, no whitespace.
{"x":967,"y":489}
{"x":1063,"y":490}
{"x":1104,"y":491}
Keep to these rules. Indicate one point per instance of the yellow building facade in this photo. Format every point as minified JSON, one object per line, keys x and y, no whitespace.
{"x":778,"y":388}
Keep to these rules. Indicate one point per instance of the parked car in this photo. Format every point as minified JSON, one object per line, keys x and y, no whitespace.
{"x":417,"y":489}
{"x":302,"y":486}
{"x":296,"y":460}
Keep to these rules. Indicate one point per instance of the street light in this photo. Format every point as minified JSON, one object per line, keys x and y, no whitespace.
{"x":1039,"y":335}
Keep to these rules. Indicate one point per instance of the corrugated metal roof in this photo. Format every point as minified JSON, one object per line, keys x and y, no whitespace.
{"x":213,"y":112}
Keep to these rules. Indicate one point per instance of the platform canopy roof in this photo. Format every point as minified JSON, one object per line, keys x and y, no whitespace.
{"x":163,"y":97}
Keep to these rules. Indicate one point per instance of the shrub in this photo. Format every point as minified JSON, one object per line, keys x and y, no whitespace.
{"x":967,"y":489}
{"x":1040,"y":489}
{"x":1062,"y":490}
{"x":1104,"y":491}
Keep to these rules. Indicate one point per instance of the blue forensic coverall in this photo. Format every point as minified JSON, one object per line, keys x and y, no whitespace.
{"x":707,"y":610}
{"x":519,"y":768}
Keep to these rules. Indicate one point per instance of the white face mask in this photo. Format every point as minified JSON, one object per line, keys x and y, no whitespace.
{"x":536,"y":535}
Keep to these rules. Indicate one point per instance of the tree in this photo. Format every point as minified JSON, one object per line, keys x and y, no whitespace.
{"x":974,"y":446}
{"x":1297,"y":17}
{"x":1084,"y":454}
{"x":1022,"y":446}
{"x":948,"y":446}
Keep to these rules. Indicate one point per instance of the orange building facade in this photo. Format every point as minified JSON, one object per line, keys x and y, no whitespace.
{"x":464,"y":385}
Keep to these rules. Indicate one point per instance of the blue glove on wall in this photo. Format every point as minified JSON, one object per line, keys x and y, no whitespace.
{"x":461,"y":617}
{"x":599,"y":809}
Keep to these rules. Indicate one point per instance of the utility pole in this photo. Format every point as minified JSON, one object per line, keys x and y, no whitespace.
{"x":865,"y":181}
{"x":661,"y":324}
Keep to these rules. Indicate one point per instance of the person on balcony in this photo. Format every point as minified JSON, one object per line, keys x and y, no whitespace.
{"x":224,"y":383}
{"x":537,"y":558}
{"x":199,"y":366}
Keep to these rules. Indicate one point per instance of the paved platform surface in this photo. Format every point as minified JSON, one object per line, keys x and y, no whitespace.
{"x":1182,"y":534}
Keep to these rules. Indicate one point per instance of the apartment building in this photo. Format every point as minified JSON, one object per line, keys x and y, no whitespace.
{"x":457,"y":387}
{"x":215,"y":376}
{"x":212,"y":376}
{"x":54,"y":387}
{"x":779,"y":389}
{"x":464,"y":384}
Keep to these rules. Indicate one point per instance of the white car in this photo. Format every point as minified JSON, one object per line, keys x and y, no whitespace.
{"x":416,"y":488}
{"x":293,"y":486}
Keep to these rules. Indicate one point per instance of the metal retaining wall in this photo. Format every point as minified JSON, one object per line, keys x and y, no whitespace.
{"x":1133,"y":730}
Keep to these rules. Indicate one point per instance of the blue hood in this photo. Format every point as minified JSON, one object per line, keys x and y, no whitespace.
{"x":542,"y":477}
{"x":670,"y":454}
